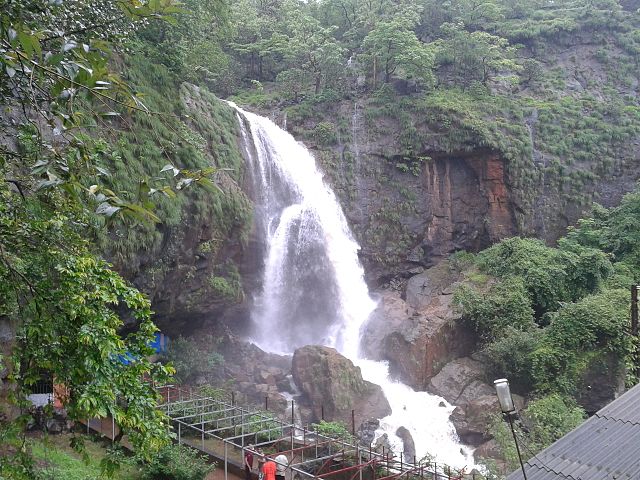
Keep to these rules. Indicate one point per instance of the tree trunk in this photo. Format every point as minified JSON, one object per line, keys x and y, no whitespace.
{"x":7,"y":387}
{"x":375,"y":73}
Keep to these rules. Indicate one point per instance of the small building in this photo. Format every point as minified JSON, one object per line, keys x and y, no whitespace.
{"x":604,"y":447}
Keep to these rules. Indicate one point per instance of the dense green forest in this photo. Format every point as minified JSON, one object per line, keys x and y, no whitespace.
{"x":112,"y":141}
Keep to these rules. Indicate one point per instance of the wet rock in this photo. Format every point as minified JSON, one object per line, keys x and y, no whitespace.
{"x":455,"y":377}
{"x":409,"y":447}
{"x":473,"y":391}
{"x":416,"y":342}
{"x":258,"y":375}
{"x":382,"y":444}
{"x":471,"y":420}
{"x":367,"y":431}
{"x":489,"y":449}
{"x":329,"y":380}
{"x":424,"y":289}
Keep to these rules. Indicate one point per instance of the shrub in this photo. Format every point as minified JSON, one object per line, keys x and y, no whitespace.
{"x":506,"y":304}
{"x":325,"y":133}
{"x":545,"y":420}
{"x":333,"y":429}
{"x":192,"y":359}
{"x":557,"y":369}
{"x":177,"y":462}
{"x":595,"y":321}
{"x":551,"y":417}
{"x":510,"y":357}
{"x":539,"y":266}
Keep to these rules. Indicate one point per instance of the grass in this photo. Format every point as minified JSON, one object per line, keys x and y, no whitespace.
{"x":56,"y":460}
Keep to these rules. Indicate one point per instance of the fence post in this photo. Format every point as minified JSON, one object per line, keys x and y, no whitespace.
{"x":226,"y":446}
{"x":353,"y":423}
{"x":242,"y":426}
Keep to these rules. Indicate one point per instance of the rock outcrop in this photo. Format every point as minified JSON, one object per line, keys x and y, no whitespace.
{"x":258,"y":376}
{"x":408,"y":445}
{"x":332,"y":383}
{"x":463,"y":383}
{"x":420,"y":334}
{"x":455,"y":377}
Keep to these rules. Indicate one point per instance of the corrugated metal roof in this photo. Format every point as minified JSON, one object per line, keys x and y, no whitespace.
{"x":605,"y":447}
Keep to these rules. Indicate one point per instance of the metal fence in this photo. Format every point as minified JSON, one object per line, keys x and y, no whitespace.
{"x":220,"y":427}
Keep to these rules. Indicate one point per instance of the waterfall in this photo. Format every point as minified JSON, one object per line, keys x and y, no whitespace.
{"x":313,"y":288}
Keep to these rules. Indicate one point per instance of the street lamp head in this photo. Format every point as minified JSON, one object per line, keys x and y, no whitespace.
{"x":504,"y":395}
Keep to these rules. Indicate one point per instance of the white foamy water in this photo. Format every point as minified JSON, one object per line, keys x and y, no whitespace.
{"x":421,"y":414}
{"x":313,"y":289}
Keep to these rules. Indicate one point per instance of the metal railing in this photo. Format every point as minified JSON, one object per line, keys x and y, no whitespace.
{"x":212,"y":424}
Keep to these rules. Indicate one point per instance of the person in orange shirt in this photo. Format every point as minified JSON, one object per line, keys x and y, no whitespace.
{"x":269,"y":469}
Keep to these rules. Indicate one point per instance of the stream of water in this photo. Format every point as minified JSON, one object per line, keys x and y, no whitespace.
{"x":313,"y":287}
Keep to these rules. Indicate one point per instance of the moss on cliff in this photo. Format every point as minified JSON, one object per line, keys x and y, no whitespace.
{"x":191,"y":129}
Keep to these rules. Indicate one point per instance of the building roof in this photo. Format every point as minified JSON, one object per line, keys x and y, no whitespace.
{"x":605,"y":447}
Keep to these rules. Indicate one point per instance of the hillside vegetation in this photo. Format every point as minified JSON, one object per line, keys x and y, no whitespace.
{"x":548,"y":87}
{"x":555,"y":321}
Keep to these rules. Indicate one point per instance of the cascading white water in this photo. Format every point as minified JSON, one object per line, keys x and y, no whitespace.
{"x":313,"y":289}
{"x":313,"y":286}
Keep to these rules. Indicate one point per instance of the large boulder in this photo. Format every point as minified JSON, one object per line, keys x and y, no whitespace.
{"x":425,"y":290}
{"x":455,"y":377}
{"x":258,"y":376}
{"x":473,"y":414}
{"x":462,"y":382}
{"x":409,"y":446}
{"x":472,"y":419}
{"x":331,"y":383}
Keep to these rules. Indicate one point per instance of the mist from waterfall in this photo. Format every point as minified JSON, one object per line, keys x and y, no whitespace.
{"x":313,"y":289}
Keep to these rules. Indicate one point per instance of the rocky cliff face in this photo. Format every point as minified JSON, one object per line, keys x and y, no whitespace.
{"x":420,"y":177}
{"x":191,"y":269}
{"x":443,"y":203}
{"x":420,"y":333}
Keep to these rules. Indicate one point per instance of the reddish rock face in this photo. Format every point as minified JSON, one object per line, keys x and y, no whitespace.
{"x":468,"y":205}
{"x":492,"y":182}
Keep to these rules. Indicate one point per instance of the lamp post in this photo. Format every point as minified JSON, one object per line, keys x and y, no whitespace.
{"x":509,"y":409}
